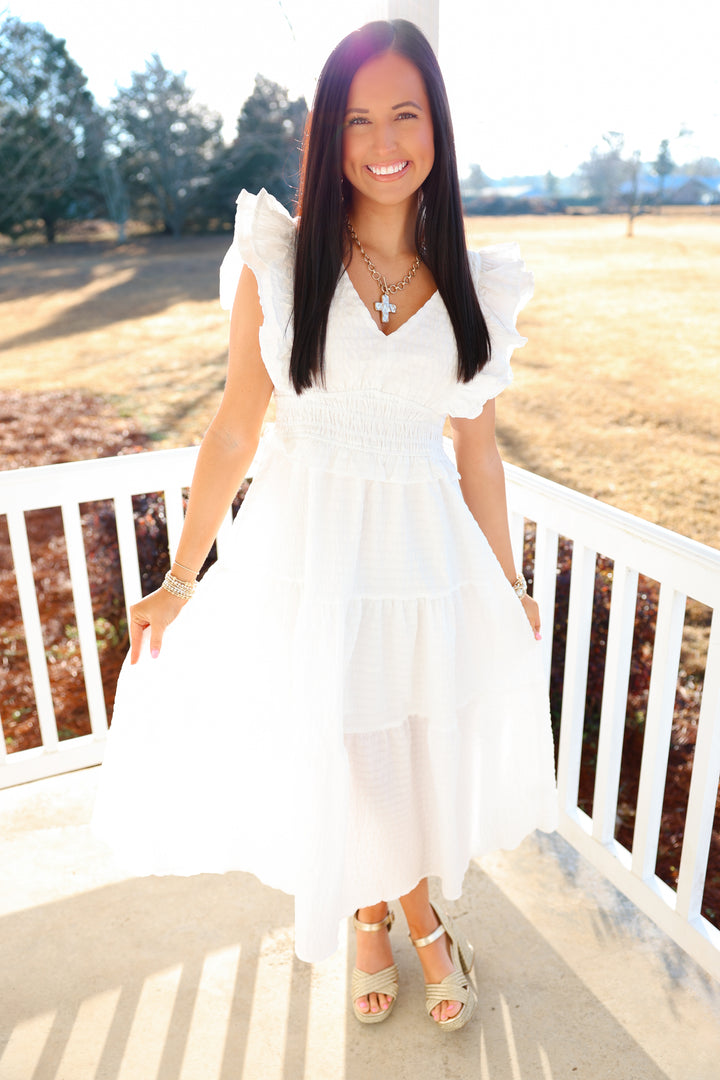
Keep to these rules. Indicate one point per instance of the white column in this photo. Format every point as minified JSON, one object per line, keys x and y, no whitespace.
{"x":424,"y":13}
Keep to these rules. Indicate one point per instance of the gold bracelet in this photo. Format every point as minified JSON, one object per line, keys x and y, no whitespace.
{"x":176,"y":587}
{"x":182,"y":566}
{"x":520,"y":586}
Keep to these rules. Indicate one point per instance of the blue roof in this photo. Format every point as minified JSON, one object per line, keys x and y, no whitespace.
{"x":649,"y":184}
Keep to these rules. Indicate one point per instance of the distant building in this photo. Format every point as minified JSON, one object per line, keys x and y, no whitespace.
{"x":694,"y":191}
{"x":678,"y":189}
{"x":529,"y":194}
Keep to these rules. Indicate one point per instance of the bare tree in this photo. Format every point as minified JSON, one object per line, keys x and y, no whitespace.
{"x":606,"y":170}
{"x":115,"y":194}
{"x":708,"y":167}
{"x":632,"y":196}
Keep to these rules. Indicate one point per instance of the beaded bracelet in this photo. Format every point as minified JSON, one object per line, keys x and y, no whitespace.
{"x":176,"y":587}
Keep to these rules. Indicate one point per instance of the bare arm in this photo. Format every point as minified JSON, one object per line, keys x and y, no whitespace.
{"x":231,"y":440}
{"x":225,"y":455}
{"x":482,"y":482}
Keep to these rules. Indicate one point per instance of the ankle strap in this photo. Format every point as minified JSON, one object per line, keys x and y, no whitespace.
{"x":421,"y":941}
{"x":371,"y":927}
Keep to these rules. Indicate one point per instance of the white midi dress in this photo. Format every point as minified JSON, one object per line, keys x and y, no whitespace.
{"x":353,"y":699}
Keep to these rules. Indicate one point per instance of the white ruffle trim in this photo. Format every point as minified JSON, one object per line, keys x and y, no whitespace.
{"x":504,"y":287}
{"x":264,"y":240}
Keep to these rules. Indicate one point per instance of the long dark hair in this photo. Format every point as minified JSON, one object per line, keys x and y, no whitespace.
{"x":321,"y":237}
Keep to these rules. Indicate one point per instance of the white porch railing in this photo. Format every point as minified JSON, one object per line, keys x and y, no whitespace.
{"x":682,"y":567}
{"x":69,"y":486}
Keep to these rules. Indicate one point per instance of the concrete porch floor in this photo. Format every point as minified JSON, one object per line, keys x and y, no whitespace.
{"x":104,"y":977}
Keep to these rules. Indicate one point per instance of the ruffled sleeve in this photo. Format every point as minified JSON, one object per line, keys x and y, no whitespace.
{"x":504,"y":287}
{"x":264,"y":239}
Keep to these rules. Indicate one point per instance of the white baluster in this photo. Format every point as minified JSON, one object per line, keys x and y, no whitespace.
{"x":658,"y":726}
{"x":582,"y":584}
{"x":84,"y":617}
{"x":614,"y":701}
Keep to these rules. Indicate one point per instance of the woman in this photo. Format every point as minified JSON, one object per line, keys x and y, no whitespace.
{"x":363,"y":655}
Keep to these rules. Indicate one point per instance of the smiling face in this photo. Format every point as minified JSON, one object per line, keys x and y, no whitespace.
{"x":388,"y":145}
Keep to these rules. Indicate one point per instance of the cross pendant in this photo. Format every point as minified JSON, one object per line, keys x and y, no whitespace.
{"x":385,"y":307}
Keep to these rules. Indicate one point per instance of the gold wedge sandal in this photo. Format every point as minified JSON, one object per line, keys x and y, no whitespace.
{"x":380,"y":982}
{"x":456,"y":986}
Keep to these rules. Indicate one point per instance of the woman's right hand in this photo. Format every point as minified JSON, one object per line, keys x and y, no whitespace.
{"x":223,"y":461}
{"x":154,"y":612}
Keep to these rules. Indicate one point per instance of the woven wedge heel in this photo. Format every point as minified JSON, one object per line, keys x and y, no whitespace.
{"x":456,"y":986}
{"x":379,"y":982}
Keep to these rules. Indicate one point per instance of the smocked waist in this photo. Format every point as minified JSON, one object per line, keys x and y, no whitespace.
{"x":366,"y":434}
{"x":369,"y":421}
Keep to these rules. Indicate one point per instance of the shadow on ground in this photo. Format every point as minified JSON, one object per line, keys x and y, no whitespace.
{"x":536,"y":1017}
{"x":150,"y":278}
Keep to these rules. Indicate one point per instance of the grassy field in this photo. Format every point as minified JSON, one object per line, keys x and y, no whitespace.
{"x":617,"y":393}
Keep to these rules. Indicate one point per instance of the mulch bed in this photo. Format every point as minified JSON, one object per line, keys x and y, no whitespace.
{"x":44,"y":429}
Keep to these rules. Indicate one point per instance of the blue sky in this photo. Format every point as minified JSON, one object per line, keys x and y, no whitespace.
{"x":533,"y":85}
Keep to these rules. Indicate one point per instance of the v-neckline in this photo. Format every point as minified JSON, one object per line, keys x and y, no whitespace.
{"x":369,"y":314}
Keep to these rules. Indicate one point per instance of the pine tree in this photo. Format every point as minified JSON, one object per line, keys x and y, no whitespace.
{"x":50,"y":131}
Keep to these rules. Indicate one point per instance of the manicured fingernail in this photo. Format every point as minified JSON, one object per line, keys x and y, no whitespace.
{"x":538,"y":635}
{"x":154,"y":653}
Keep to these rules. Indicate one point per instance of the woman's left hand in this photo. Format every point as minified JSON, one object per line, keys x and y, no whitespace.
{"x":533,"y":614}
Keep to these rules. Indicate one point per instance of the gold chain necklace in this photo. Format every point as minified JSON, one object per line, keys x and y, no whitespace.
{"x":383,"y":305}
